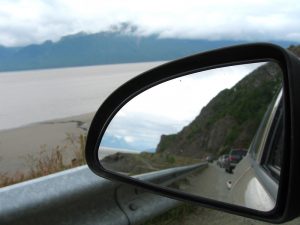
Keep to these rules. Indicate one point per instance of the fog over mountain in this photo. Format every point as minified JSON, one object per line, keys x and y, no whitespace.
{"x":119,"y":45}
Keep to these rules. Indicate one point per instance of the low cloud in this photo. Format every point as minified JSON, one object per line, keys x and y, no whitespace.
{"x":26,"y":21}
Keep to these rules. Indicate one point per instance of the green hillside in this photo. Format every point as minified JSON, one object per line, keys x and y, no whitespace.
{"x":230,"y":119}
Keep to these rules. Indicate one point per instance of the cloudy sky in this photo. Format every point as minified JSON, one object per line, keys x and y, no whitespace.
{"x":168,"y":107}
{"x":24,"y":22}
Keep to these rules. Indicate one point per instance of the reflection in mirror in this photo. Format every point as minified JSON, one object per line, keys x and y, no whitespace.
{"x":199,"y":132}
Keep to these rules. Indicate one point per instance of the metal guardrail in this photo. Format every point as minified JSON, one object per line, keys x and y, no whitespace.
{"x":77,"y":196}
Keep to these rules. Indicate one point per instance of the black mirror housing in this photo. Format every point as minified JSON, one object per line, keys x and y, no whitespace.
{"x":288,"y":200}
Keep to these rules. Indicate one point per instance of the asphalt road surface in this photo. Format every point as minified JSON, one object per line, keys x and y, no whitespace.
{"x":209,"y":183}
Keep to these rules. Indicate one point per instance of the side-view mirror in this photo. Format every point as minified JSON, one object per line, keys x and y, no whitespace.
{"x":219,"y":128}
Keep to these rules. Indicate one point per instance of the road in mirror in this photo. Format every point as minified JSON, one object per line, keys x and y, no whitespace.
{"x":198,"y":134}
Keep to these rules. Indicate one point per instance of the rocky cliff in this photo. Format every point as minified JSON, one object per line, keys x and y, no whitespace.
{"x":230,"y":119}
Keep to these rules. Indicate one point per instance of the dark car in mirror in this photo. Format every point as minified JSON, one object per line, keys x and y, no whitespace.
{"x":164,"y":123}
{"x":234,"y":157}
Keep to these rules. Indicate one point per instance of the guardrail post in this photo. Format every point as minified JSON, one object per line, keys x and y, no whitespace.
{"x":140,"y":206}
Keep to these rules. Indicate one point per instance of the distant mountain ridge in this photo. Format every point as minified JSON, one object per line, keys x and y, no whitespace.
{"x":109,"y":47}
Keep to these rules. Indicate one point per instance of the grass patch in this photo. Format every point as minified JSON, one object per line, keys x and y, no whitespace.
{"x":48,"y":161}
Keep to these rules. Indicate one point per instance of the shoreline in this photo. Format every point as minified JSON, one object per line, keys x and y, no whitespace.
{"x":36,"y":129}
{"x":21,"y":147}
{"x":52,"y":121}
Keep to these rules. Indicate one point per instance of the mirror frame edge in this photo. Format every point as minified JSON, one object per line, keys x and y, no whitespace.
{"x":199,"y":62}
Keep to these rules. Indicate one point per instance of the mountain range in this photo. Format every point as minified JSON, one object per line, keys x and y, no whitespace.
{"x":109,"y":47}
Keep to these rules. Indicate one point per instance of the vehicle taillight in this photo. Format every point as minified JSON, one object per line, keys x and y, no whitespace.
{"x":232,"y":158}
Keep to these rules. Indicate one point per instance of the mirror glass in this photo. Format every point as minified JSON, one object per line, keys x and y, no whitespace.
{"x":215,"y":134}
